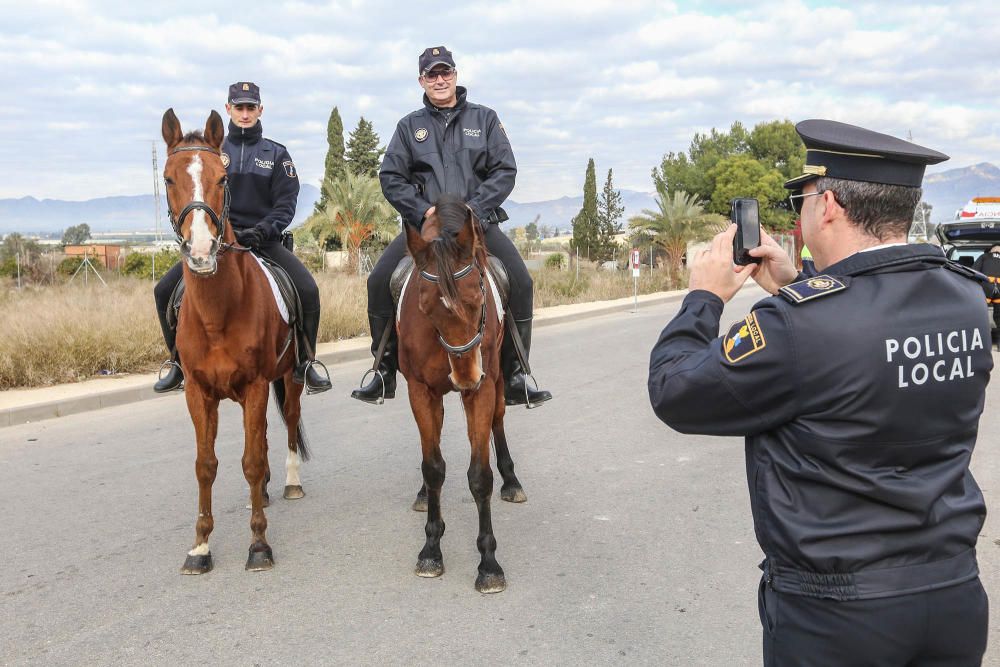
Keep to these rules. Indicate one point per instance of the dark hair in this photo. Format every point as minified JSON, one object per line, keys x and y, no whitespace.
{"x":880,"y":210}
{"x":452,"y":214}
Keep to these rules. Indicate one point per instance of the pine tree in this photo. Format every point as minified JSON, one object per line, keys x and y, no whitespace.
{"x":585,"y":223}
{"x":335,"y":164}
{"x":609,"y":214}
{"x":363,"y":152}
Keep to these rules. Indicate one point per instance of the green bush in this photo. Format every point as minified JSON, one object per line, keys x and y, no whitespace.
{"x":68,"y":266}
{"x":555,"y":261}
{"x":140,"y":264}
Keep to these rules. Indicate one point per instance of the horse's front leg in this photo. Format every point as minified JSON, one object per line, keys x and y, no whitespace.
{"x":205,"y":416}
{"x":255,"y":470}
{"x":511,"y":490}
{"x":479,"y":408}
{"x":428,"y":411}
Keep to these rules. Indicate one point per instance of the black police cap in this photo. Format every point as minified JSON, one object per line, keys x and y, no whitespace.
{"x":839,"y":150}
{"x":244,"y":92}
{"x":434,"y":55}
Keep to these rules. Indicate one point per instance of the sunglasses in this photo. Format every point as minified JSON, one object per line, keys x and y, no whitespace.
{"x":446,"y":74}
{"x":796,"y":201}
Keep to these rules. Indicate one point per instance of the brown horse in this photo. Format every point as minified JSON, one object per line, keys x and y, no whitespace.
{"x":449,"y":340}
{"x":231,"y":338}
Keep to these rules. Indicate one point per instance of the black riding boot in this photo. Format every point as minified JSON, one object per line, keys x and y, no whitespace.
{"x":515,"y":384}
{"x":383,"y":383}
{"x":174,"y":379}
{"x":305,"y":372}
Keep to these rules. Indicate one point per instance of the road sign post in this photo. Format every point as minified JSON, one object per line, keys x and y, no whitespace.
{"x":635,"y":279}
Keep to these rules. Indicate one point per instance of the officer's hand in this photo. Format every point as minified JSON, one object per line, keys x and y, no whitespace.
{"x":429,"y":212}
{"x":250,"y":238}
{"x":776,"y":269}
{"x":713,"y":269}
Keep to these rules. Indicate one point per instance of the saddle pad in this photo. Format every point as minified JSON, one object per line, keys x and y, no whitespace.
{"x":278,"y":299}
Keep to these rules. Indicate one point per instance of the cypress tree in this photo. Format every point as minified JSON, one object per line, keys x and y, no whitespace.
{"x":585,"y":224}
{"x":335,"y":165}
{"x":609,"y":212}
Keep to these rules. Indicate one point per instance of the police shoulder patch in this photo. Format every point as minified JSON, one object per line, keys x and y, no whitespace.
{"x":289,"y":168}
{"x":744,"y":338}
{"x":812,"y":288}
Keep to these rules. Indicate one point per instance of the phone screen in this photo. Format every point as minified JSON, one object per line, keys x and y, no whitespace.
{"x":747,"y":219}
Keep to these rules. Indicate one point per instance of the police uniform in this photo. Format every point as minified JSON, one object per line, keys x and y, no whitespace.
{"x":989,"y":264}
{"x":859,"y":392}
{"x":264,"y":189}
{"x":461,"y":150}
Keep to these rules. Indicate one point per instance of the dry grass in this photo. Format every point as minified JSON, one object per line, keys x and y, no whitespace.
{"x":66,"y":333}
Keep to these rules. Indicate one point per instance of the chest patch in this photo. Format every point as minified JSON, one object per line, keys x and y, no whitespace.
{"x":225,"y":159}
{"x":470,"y":132}
{"x":811,"y":288}
{"x":263,"y":164}
{"x":420,"y":134}
{"x":744,"y":338}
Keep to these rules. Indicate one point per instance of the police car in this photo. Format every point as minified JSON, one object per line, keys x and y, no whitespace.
{"x":975,"y":230}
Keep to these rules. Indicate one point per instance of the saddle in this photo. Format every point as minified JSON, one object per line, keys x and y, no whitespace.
{"x":286,"y":291}
{"x":495,"y":267}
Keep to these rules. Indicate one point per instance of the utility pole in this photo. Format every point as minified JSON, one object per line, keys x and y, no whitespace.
{"x":156,"y":193}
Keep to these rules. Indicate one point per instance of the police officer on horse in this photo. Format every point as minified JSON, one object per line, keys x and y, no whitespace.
{"x":452,"y":146}
{"x":264,"y":187}
{"x":859,"y":391}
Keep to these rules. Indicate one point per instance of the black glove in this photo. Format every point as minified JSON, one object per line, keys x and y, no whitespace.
{"x":250,"y":238}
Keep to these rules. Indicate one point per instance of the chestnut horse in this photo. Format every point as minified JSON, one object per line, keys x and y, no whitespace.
{"x":449,"y":340}
{"x":231,"y":338}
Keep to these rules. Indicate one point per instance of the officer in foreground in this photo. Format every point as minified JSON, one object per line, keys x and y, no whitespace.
{"x":859,"y":391}
{"x":450,"y":145}
{"x":264,"y":187}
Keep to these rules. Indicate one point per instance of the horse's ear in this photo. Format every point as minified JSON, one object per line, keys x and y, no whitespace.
{"x":172,"y":134}
{"x":468,"y":235}
{"x":414,"y":241}
{"x":214,"y":130}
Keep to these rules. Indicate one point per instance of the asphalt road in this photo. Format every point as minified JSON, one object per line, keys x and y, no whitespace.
{"x":635,"y":545}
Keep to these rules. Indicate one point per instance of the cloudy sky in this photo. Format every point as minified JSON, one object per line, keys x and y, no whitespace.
{"x":83,"y":84}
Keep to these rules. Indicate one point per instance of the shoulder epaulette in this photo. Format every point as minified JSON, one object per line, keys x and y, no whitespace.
{"x":813,"y":288}
{"x":279,"y":145}
{"x":965,"y":271}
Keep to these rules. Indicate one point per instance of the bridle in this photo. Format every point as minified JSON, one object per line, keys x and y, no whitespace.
{"x":460,"y":350}
{"x":218,"y":247}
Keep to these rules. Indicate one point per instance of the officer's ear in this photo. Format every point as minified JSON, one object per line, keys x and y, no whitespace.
{"x":832,"y":210}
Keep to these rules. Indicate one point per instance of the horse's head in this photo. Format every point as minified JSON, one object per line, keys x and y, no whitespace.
{"x":449,"y":256}
{"x":197,"y":194}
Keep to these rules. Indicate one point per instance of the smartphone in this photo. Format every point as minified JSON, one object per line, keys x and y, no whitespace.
{"x":745,"y":214}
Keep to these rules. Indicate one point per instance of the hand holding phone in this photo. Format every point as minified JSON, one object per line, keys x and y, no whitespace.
{"x":744,"y":213}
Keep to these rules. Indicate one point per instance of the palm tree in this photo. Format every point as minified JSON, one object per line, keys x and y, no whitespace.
{"x":678,"y":220}
{"x":355,"y":212}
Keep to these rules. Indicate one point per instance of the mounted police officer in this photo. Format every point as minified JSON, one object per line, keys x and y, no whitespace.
{"x":859,"y":391}
{"x":264,"y":187}
{"x":449,"y":146}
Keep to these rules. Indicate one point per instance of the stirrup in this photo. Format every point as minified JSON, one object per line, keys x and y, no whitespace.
{"x":170,"y":363}
{"x":527,"y":402}
{"x":305,"y":376}
{"x":381,"y":399}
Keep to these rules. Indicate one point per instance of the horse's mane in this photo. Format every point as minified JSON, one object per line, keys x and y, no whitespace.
{"x":193,"y":137}
{"x":452,"y":214}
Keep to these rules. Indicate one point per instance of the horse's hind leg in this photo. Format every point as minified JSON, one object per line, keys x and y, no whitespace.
{"x":255,"y":470}
{"x":428,"y":410}
{"x":479,"y":415}
{"x":205,"y":415}
{"x":511,"y":490}
{"x":290,"y":405}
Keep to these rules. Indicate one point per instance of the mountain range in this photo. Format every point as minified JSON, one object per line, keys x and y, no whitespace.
{"x":946,"y":191}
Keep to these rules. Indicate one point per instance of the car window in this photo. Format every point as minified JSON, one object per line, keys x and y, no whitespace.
{"x":966,"y":256}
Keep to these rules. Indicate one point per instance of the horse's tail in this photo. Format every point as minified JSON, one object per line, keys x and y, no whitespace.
{"x":301,"y":445}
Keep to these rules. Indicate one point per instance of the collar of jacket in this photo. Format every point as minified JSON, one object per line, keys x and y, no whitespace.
{"x":910,"y":257}
{"x":249,"y":135}
{"x":460,"y":93}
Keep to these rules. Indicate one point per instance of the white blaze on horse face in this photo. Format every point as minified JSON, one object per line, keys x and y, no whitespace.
{"x":292,"y":469}
{"x":201,"y":235}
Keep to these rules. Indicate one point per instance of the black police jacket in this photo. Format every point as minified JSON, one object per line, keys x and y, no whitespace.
{"x":859,"y":392}
{"x":462,"y":151}
{"x":263,"y":181}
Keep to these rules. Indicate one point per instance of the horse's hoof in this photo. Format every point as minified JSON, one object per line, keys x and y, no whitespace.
{"x":513,"y":494}
{"x":491,"y":583}
{"x":428,"y":567}
{"x":294,"y":492}
{"x":258,"y":561}
{"x":420,"y":504}
{"x":200,"y":564}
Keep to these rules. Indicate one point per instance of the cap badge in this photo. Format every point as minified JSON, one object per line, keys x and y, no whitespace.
{"x":420,"y":134}
{"x":814,"y":170}
{"x":246,"y":86}
{"x":436,"y":52}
